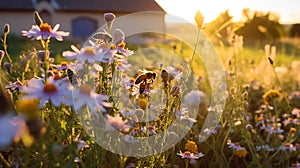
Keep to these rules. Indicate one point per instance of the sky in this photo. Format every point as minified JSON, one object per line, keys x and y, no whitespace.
{"x":288,"y":10}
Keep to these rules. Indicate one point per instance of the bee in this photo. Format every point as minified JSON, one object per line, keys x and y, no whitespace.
{"x":73,"y":78}
{"x":145,"y":77}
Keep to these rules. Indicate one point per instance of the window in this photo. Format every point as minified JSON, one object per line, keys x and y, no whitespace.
{"x":83,"y":27}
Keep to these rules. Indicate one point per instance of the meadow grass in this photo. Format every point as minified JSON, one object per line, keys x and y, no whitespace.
{"x":259,"y":126}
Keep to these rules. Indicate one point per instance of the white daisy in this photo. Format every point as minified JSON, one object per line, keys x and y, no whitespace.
{"x":84,"y":95}
{"x":190,"y":155}
{"x":89,"y":54}
{"x":44,"y":31}
{"x":54,"y":90}
{"x":117,"y":123}
{"x":127,"y":112}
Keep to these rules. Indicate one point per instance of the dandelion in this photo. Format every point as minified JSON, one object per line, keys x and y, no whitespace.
{"x":85,"y":96}
{"x":270,"y":96}
{"x":54,"y":90}
{"x":45,"y":31}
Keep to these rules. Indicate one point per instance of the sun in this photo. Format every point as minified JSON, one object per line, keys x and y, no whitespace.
{"x":286,"y":9}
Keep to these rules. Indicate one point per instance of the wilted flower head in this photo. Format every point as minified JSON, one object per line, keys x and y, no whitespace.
{"x":6,"y":29}
{"x":270,"y":96}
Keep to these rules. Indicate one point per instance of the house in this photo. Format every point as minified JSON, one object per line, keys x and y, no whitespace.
{"x":80,"y":18}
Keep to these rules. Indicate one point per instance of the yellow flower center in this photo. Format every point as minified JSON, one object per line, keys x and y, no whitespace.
{"x":89,"y":51}
{"x":50,"y":88}
{"x":187,"y":153}
{"x":241,"y":153}
{"x":28,"y":107}
{"x":142,"y":103}
{"x":122,"y":45}
{"x":191,"y":146}
{"x":260,"y":118}
{"x":85,"y":89}
{"x":64,"y":63}
{"x":292,"y":129}
{"x":45,"y":27}
{"x":150,"y":127}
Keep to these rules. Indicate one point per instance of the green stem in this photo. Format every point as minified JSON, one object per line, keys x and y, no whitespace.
{"x":193,"y":56}
{"x":5,"y":47}
{"x":4,"y":160}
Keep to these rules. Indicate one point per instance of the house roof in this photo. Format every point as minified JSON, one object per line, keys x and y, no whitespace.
{"x":16,"y":5}
{"x":86,"y":6}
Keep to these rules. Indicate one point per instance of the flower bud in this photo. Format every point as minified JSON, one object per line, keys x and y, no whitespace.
{"x":199,"y":19}
{"x":8,"y":67}
{"x":109,"y":19}
{"x":42,"y":54}
{"x":6,"y":29}
{"x":119,"y":36}
{"x":249,"y":127}
{"x":37,"y":19}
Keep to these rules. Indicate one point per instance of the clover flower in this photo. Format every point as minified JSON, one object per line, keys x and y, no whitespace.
{"x":52,"y":90}
{"x":45,"y":31}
